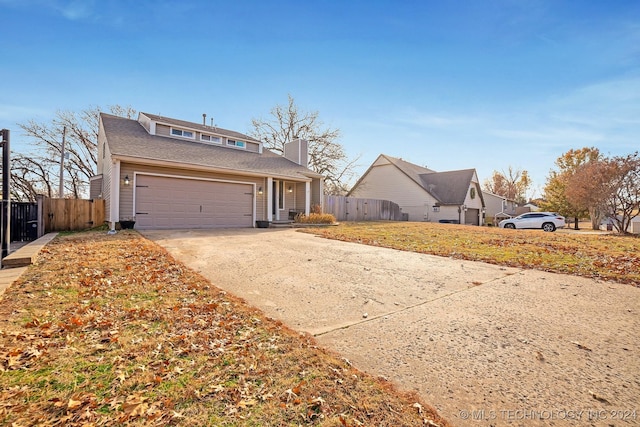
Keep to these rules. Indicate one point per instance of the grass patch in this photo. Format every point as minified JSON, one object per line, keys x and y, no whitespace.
{"x":111,"y":330}
{"x":600,"y":256}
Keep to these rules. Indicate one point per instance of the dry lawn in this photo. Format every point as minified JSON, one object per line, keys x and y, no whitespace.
{"x":600,"y":256}
{"x":110,"y":330}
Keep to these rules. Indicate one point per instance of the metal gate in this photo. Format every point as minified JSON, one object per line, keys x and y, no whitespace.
{"x":24,"y":221}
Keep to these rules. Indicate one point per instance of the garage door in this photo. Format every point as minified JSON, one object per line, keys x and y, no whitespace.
{"x":170,"y":203}
{"x":472,"y":217}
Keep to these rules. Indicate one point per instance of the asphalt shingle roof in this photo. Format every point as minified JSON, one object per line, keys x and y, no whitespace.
{"x":449,"y":188}
{"x":128,"y":138}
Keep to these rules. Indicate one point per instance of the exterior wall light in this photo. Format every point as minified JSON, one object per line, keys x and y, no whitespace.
{"x":290,"y":189}
{"x":259,"y":190}
{"x":126,"y":180}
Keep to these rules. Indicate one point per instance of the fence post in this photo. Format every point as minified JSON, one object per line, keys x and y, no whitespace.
{"x":6,"y":192}
{"x":40,"y":201}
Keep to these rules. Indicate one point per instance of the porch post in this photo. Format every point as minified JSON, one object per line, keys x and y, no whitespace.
{"x":277,"y":199}
{"x":307,"y":198}
{"x":269,"y":196}
{"x":321,"y":185}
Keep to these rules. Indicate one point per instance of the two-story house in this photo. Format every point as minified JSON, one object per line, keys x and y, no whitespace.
{"x":166,"y":173}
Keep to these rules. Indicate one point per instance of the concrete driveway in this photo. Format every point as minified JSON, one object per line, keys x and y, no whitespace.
{"x":485,"y":345}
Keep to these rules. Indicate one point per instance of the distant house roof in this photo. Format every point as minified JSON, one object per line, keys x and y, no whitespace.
{"x":489,"y":193}
{"x":449,"y":188}
{"x":129,"y":139}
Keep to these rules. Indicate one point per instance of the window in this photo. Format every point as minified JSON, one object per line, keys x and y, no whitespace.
{"x":211,"y":138}
{"x":234,"y":143}
{"x":182,"y":133}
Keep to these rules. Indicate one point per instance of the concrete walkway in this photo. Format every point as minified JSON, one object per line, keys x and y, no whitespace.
{"x":16,"y":263}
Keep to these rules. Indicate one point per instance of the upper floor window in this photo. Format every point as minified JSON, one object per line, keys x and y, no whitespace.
{"x":235,"y":143}
{"x":211,"y":138}
{"x":182,"y":133}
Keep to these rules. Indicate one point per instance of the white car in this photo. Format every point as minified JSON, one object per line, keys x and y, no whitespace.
{"x":548,"y":221}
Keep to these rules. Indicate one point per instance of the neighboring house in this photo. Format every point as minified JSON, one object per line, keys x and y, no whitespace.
{"x":633,"y":226}
{"x":498,"y":207}
{"x":169,"y":173}
{"x":532,"y":207}
{"x":423,"y":194}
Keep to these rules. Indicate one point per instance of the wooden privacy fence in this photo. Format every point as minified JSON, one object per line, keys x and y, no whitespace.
{"x":357,"y":209}
{"x":71,"y":214}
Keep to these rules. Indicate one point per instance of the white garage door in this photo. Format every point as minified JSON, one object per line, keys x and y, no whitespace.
{"x":170,"y":203}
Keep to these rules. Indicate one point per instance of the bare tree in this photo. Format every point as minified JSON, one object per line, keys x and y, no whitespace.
{"x":326,"y":155}
{"x":37,"y":171}
{"x":30,"y":176}
{"x":513,"y":184}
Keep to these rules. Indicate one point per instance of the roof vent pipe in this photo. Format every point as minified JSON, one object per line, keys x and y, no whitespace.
{"x":204,"y":119}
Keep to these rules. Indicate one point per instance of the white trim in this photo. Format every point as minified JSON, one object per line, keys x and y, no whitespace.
{"x":114,"y":207}
{"x":193,"y":178}
{"x":193,"y":166}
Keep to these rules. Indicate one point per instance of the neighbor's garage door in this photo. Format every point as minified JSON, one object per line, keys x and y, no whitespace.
{"x":472,"y":217}
{"x":166,"y":203}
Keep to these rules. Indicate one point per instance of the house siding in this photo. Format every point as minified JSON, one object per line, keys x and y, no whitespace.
{"x":383,"y":181}
{"x":145,"y":122}
{"x":299,"y":192}
{"x":105,"y":168}
{"x":493,"y":204}
{"x":126,"y":192}
{"x":163,"y":130}
{"x":95,"y":187}
{"x":474,"y":203}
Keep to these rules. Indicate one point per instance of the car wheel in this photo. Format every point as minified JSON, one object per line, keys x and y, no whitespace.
{"x":510,"y":226}
{"x":549,"y":227}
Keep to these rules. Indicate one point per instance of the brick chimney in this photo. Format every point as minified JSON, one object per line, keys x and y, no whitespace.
{"x":297,"y":151}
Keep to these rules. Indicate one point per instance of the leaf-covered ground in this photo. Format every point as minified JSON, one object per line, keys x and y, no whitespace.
{"x":110,"y":330}
{"x":600,"y":256}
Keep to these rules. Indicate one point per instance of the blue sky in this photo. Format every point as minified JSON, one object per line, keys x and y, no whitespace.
{"x":446,"y":84}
